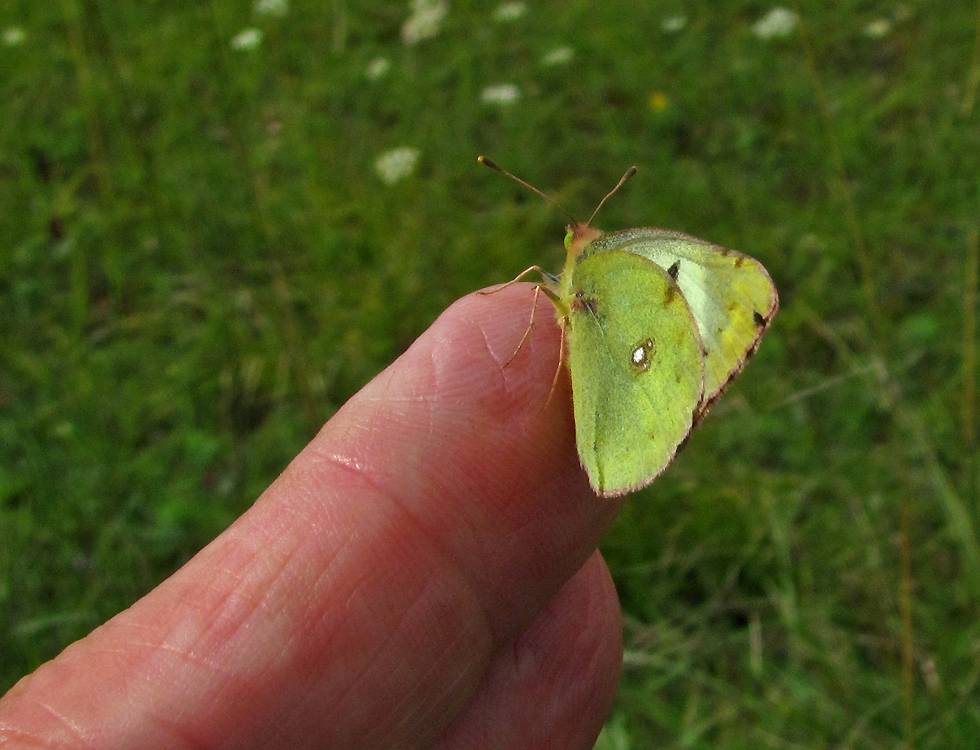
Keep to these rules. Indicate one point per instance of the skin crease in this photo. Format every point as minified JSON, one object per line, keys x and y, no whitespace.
{"x":423,"y":575}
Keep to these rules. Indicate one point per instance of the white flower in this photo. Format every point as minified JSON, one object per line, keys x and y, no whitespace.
{"x":558,"y":56}
{"x":64,"y":429}
{"x":272,"y":7}
{"x":247,"y":39}
{"x":396,"y":164}
{"x":377,"y":68}
{"x":674,"y":24}
{"x":13,"y":35}
{"x":878,"y":29}
{"x":509,"y":11}
{"x":425,"y":20}
{"x":503,"y":94}
{"x":776,"y":23}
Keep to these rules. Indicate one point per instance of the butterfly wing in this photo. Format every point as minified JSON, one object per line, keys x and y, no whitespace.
{"x":636,"y":363}
{"x":730,"y":294}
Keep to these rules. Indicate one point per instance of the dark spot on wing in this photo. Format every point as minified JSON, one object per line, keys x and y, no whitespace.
{"x":759,"y":320}
{"x":674,"y":268}
{"x":586,"y":304}
{"x":739,"y":260}
{"x":669,"y":294}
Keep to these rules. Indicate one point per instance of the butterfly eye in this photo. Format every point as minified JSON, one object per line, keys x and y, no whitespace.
{"x":641,"y":355}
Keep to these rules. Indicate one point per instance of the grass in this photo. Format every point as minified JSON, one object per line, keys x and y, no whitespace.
{"x":199,"y":264}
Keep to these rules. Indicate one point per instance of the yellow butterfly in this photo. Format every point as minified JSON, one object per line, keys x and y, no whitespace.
{"x":656,"y":324}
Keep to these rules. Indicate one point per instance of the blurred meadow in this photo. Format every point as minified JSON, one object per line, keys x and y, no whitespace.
{"x":218,"y":220}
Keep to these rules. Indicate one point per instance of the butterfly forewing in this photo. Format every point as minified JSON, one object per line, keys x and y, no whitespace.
{"x":730,"y":294}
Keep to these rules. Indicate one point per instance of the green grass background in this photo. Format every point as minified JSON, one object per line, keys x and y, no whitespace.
{"x":199,"y":264}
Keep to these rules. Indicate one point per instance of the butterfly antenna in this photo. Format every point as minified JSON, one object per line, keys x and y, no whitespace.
{"x":629,"y":173}
{"x":487,"y":163}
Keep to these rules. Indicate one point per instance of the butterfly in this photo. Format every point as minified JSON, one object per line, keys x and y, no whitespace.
{"x":655,"y":324}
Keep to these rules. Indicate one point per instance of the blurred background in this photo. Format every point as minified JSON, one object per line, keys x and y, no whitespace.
{"x":219,"y":219}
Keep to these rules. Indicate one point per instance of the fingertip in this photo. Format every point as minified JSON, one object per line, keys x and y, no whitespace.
{"x":474,"y":401}
{"x":514,"y":322}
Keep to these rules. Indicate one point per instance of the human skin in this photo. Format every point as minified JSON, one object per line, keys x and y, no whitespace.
{"x":423,"y":575}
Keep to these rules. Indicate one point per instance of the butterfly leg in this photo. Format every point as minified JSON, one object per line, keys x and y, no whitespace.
{"x":519,"y":277}
{"x":561,"y":361}
{"x":530,"y":324}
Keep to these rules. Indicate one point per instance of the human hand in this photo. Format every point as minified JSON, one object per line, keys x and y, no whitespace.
{"x":422,"y":575}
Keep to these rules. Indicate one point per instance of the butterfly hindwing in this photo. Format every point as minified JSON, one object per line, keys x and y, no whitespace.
{"x":636,"y":363}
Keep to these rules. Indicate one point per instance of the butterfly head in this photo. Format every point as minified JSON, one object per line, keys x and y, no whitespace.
{"x":578,"y":236}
